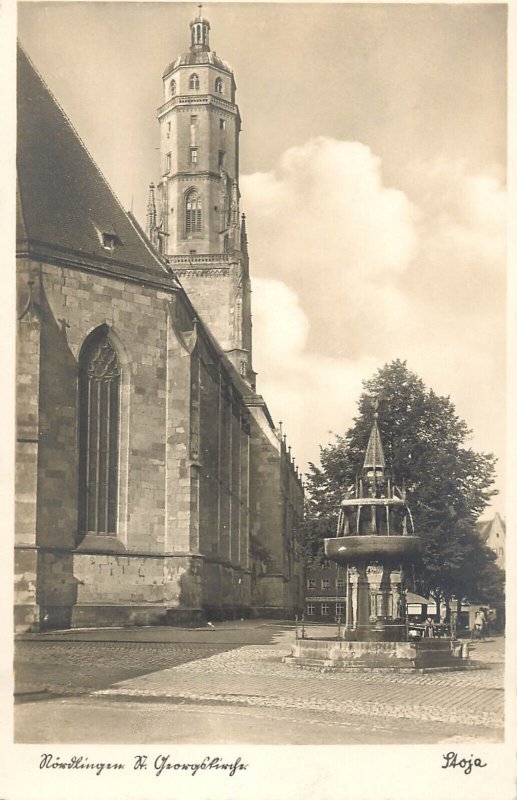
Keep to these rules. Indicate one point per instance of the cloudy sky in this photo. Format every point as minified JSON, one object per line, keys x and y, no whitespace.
{"x":372,"y":176}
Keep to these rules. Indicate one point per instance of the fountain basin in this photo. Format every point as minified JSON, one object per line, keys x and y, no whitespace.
{"x":347,"y":549}
{"x":343,"y":656}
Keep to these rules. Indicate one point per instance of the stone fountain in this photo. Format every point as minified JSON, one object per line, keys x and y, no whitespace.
{"x":375,"y":544}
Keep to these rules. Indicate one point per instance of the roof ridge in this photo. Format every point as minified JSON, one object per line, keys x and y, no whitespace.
{"x":20,"y":210}
{"x":138,"y":230}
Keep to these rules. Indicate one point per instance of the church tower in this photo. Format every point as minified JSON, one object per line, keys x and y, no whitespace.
{"x":193,"y":216}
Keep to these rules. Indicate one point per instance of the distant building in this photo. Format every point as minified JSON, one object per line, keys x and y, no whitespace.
{"x":492,"y":532}
{"x":325,"y":592}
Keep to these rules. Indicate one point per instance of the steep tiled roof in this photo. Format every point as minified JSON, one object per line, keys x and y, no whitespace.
{"x":484,"y":527}
{"x":65,"y":205}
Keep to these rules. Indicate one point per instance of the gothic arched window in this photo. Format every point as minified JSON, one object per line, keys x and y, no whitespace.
{"x":219,"y":86}
{"x":99,"y":393}
{"x":192,"y":212}
{"x":172,"y":88}
{"x":194,"y":81}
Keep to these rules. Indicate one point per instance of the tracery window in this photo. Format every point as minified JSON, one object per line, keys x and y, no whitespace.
{"x":194,"y":81}
{"x":99,"y":394}
{"x":193,"y":212}
{"x":219,"y":86}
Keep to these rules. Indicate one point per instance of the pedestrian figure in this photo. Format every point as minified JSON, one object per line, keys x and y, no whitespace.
{"x":429,"y":628}
{"x":491,"y":621}
{"x":480,"y":623}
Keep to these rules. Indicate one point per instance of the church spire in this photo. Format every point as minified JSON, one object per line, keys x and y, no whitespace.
{"x":199,"y":33}
{"x":244,"y":235}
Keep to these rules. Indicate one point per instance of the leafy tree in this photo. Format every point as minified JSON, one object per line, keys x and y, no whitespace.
{"x":448,"y":484}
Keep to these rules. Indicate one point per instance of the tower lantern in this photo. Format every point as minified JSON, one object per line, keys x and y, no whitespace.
{"x":199,"y":32}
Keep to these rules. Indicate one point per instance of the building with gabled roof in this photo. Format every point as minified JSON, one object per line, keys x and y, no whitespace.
{"x":151,"y":483}
{"x":492,"y":532}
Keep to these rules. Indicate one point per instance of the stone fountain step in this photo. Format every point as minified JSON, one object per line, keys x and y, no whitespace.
{"x":334,"y":667}
{"x":328,"y":655}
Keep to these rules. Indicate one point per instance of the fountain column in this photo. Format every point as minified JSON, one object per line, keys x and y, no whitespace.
{"x":363,"y":598}
{"x":396,"y":578}
{"x":385,"y":592}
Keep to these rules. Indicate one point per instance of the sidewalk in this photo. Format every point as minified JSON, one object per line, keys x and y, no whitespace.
{"x":228,"y":632}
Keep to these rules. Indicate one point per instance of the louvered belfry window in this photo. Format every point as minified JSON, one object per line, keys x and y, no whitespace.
{"x":193,"y":213}
{"x":99,"y":393}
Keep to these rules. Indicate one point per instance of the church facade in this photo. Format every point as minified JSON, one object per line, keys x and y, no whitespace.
{"x":152,"y":486}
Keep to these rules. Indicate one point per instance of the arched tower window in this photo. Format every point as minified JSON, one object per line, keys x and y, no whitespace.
{"x":219,"y":85}
{"x":192,"y":212}
{"x":194,"y":81}
{"x":99,"y":394}
{"x":172,"y":88}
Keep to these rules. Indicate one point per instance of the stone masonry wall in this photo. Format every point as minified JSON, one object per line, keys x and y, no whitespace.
{"x":276,"y":584}
{"x":167,"y":505}
{"x":73,"y":303}
{"x":210,"y":292}
{"x":26,"y":612}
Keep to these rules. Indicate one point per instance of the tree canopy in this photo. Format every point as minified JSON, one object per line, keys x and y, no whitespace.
{"x":448,"y":484}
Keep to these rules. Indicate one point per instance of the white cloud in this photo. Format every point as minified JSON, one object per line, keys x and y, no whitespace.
{"x":311,"y":393}
{"x":461,"y":257}
{"x":349,"y":274}
{"x":324,"y":223}
{"x":278,"y":317}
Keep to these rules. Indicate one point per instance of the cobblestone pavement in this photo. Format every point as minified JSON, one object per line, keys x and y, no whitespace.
{"x":79,"y":661}
{"x":250,"y":682}
{"x":81,"y":667}
{"x":255,"y":676}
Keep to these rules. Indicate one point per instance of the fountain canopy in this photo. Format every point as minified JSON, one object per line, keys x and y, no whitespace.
{"x":375,"y":522}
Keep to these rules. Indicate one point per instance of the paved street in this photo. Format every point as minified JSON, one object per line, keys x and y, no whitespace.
{"x":229,"y":685}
